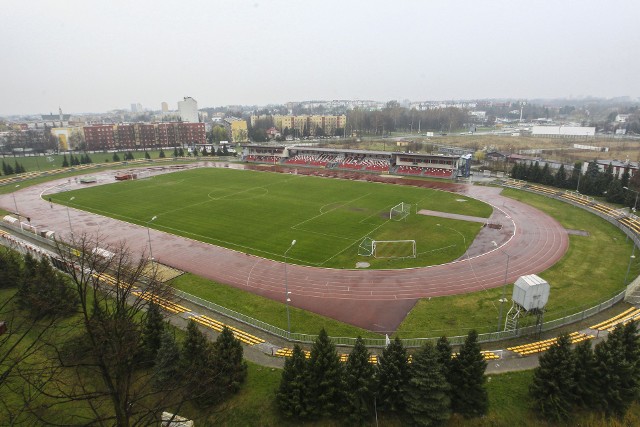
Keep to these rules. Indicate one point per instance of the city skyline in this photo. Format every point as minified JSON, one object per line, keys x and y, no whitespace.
{"x":94,"y":57}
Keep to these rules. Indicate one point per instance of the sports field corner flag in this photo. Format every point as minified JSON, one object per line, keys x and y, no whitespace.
{"x":387,"y":341}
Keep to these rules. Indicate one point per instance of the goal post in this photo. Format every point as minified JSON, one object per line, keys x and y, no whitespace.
{"x":366,"y":247}
{"x":387,"y":248}
{"x":394,"y":248}
{"x":400,"y":211}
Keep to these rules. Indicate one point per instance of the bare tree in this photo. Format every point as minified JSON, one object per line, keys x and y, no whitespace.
{"x":97,"y":370}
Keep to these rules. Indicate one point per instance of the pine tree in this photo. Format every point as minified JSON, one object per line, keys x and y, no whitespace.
{"x":116,"y":158}
{"x":553,"y":381}
{"x":427,"y":393}
{"x":146,"y":155}
{"x":152,"y":330}
{"x":45,"y":292}
{"x":359,"y":383}
{"x":200,"y":372}
{"x":467,"y":379}
{"x":292,"y":393}
{"x":229,"y":362}
{"x":585,"y":390}
{"x":561,"y":177}
{"x":393,"y":376}
{"x":445,"y":353}
{"x":616,"y":382}
{"x":162,"y":155}
{"x":65,"y":162}
{"x":180,"y":152}
{"x":166,"y":368}
{"x":10,"y":268}
{"x":175,"y":151}
{"x":324,"y":378}
{"x":631,"y":343}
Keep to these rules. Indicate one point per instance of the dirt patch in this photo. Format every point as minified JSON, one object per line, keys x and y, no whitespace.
{"x":578,"y":232}
{"x":164,"y":273}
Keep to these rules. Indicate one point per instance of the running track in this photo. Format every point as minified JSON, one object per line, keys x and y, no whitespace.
{"x":372,"y":299}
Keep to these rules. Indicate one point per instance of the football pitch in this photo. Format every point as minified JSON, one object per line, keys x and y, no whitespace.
{"x":261,"y":213}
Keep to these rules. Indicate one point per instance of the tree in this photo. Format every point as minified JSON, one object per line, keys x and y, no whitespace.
{"x":147,"y":156}
{"x":292,"y":393}
{"x":615,"y":192}
{"x":199,"y":365}
{"x":175,"y":151}
{"x":444,"y":350}
{"x":65,"y":162}
{"x":561,"y":177}
{"x":115,"y":157}
{"x":553,"y":381}
{"x":152,"y":331}
{"x":166,"y":366}
{"x":10,"y":268}
{"x":616,"y":382}
{"x":162,"y":155}
{"x":393,"y":376}
{"x":324,"y":378}
{"x":109,"y":388}
{"x":427,"y":392}
{"x":467,"y":379}
{"x":585,"y":391}
{"x":44,"y":292}
{"x":229,"y":363}
{"x":180,"y":152}
{"x":359,"y":383}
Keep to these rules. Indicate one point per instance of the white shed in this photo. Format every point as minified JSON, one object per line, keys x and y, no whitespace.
{"x":531,"y":292}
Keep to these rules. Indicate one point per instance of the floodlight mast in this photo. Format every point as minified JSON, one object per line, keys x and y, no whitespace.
{"x":504,"y":286}
{"x":286,"y":289}
{"x":149,"y":236}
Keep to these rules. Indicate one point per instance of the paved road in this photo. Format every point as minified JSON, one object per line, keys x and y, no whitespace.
{"x":375,"y":300}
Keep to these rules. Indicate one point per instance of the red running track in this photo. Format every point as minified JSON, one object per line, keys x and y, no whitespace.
{"x":376,"y":300}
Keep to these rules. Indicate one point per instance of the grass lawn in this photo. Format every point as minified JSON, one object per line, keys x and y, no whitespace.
{"x":265,"y":309}
{"x":585,"y":276}
{"x":261,"y":213}
{"x":54,"y":161}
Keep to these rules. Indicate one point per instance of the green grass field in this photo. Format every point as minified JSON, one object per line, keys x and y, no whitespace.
{"x":261,"y":213}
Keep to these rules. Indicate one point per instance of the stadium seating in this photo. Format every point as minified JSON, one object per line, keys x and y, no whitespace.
{"x":625,"y":317}
{"x":544,"y":345}
{"x":218,"y":326}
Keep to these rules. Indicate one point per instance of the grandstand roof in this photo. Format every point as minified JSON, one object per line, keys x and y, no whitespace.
{"x":340,"y":150}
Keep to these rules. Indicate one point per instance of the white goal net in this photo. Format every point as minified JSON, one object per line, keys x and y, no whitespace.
{"x":387,"y":248}
{"x":400,"y":211}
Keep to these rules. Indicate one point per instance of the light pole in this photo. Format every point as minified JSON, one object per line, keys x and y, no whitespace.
{"x":286,"y":288}
{"x":504,"y":286}
{"x":149,"y":236}
{"x":16,"y":205}
{"x":631,"y":258}
{"x":635,"y":205}
{"x":69,"y":216}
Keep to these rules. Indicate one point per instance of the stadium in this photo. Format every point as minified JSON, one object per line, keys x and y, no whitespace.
{"x":369,"y":247}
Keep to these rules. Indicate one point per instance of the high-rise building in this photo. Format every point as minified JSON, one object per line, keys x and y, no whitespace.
{"x":188,"y":110}
{"x":164,"y":107}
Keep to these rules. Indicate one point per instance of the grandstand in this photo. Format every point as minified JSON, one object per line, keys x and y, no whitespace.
{"x":412,"y":164}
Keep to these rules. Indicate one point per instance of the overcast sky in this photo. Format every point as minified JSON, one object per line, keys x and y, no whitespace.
{"x":94,"y":56}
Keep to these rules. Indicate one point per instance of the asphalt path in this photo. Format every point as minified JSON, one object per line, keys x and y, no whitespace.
{"x":376,"y":300}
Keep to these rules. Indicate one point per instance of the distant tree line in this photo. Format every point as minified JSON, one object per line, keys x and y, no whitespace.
{"x":423,"y":390}
{"x":395,"y":118}
{"x":592,"y":183}
{"x":84,"y":159}
{"x":7,"y":169}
